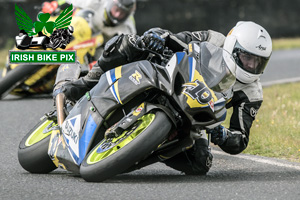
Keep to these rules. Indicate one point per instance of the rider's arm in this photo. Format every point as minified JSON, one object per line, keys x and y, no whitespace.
{"x":246,"y":104}
{"x":121,"y":50}
{"x":179,"y":41}
{"x":118,"y":51}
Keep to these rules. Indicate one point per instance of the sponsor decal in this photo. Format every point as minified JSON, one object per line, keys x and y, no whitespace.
{"x":212,"y":105}
{"x":135,"y":78}
{"x":132,"y":39}
{"x":261,"y":47}
{"x":253,"y":112}
{"x":139,"y":109}
{"x":70,"y":129}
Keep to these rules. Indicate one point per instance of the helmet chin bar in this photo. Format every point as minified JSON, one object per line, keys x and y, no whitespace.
{"x":229,"y":43}
{"x":245,"y":77}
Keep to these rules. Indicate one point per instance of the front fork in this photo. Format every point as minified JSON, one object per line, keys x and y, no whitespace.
{"x":56,"y":136}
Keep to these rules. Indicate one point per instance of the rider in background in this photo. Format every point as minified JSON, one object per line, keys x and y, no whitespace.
{"x":110,"y":17}
{"x":248,"y":43}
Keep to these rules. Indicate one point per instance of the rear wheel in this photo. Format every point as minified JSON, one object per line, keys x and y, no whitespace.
{"x":113,"y":156}
{"x":33,"y":149}
{"x":15,"y":77}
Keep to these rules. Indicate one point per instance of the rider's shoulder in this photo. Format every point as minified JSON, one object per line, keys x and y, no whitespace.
{"x":252,"y":90}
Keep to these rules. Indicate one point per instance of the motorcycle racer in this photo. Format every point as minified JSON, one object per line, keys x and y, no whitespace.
{"x":248,"y":43}
{"x":251,"y":46}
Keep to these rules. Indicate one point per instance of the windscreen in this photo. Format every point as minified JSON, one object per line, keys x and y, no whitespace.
{"x":214,"y":69}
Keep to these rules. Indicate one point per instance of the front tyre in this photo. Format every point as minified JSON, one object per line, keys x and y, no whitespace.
{"x":113,"y":156}
{"x":33,"y":149}
{"x":15,"y":77}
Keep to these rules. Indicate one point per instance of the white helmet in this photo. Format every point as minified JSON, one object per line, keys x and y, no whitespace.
{"x":251,"y":46}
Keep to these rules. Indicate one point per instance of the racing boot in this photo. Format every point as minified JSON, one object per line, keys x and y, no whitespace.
{"x":194,"y":161}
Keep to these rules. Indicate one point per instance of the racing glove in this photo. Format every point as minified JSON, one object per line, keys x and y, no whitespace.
{"x":153,"y":41}
{"x":218,"y":135}
{"x":73,"y":90}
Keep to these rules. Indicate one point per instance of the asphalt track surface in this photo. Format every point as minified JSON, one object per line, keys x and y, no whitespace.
{"x":231,"y":177}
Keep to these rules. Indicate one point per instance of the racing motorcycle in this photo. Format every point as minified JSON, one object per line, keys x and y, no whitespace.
{"x":26,"y":79}
{"x":138,"y":114}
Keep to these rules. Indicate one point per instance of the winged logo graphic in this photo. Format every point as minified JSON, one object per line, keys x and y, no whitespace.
{"x":32,"y":28}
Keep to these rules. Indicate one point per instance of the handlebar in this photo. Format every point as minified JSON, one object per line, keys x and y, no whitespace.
{"x":164,"y":56}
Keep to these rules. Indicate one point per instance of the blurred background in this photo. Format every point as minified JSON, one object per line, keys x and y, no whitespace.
{"x":280,"y":18}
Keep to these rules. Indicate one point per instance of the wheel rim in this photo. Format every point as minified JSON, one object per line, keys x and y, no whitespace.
{"x":110,"y":146}
{"x":40,"y":133}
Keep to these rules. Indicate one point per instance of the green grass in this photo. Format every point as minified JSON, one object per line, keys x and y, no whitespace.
{"x":286,"y":43}
{"x":276,"y":130}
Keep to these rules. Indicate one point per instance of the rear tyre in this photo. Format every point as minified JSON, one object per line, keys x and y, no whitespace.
{"x":113,"y":156}
{"x":33,"y":149}
{"x":15,"y":77}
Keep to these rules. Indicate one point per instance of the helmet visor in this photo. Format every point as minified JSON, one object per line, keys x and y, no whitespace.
{"x":117,"y":11}
{"x":251,"y":63}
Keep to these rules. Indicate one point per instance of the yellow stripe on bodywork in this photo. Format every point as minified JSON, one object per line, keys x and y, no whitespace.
{"x":118,"y":72}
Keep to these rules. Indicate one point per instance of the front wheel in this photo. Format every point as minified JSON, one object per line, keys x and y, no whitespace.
{"x":113,"y":156}
{"x":33,"y":149}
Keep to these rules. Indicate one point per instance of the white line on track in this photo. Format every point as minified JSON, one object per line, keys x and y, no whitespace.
{"x":260,"y":160}
{"x":281,"y":81}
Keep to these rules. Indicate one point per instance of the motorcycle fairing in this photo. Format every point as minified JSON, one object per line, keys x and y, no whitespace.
{"x":69,"y":146}
{"x":77,"y":147}
{"x":124,"y":83}
{"x":202,"y":106}
{"x":116,"y":88}
{"x":134,"y":115}
{"x":113,"y":90}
